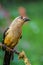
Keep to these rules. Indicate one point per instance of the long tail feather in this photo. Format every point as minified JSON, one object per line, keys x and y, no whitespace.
{"x":7,"y":58}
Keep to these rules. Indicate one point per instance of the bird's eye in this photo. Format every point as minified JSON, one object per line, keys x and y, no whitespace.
{"x":21,"y":17}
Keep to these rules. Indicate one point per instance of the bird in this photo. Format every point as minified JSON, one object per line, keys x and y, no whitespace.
{"x":11,"y":37}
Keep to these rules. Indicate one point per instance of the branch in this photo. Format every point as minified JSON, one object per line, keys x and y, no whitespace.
{"x":21,"y":55}
{"x":9,"y":49}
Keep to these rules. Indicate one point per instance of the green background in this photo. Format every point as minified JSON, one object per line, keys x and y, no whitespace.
{"x":32,"y":35}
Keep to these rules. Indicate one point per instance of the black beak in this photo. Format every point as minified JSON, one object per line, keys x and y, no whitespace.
{"x":26,"y":19}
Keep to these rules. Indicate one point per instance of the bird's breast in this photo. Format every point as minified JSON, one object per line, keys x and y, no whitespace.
{"x":12,"y":37}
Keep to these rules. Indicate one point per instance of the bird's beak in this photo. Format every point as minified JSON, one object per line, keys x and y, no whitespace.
{"x":26,"y":19}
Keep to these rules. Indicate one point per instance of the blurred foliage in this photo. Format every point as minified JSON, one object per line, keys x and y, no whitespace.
{"x":18,"y":1}
{"x":32,"y":40}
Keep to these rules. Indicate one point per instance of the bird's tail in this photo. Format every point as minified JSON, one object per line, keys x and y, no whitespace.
{"x":7,"y":58}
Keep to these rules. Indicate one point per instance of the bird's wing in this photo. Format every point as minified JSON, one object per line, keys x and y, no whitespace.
{"x":4,"y":34}
{"x":9,"y":39}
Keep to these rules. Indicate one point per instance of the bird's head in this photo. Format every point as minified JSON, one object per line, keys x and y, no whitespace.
{"x":21,"y":20}
{"x":24,"y":19}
